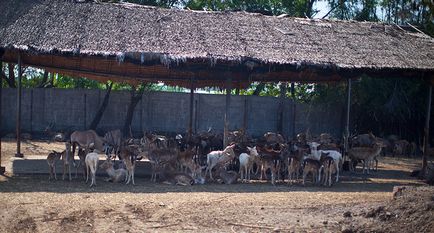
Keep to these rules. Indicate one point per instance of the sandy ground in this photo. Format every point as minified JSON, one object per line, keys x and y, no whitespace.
{"x":34,"y":204}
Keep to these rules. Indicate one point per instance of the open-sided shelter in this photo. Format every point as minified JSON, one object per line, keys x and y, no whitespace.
{"x":132,"y":43}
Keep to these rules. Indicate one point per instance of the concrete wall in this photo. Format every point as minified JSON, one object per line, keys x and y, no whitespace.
{"x":74,"y":109}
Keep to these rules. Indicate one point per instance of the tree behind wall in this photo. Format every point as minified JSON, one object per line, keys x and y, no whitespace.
{"x":136,"y":95}
{"x":102,"y":108}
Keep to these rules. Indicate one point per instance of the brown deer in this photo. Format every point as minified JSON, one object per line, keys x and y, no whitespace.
{"x":51,"y":160}
{"x":85,"y":138}
{"x":115,"y":175}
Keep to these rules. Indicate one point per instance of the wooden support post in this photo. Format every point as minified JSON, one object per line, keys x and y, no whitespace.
{"x":190,"y":123}
{"x":245,"y":114}
{"x":2,"y":169}
{"x":347,"y":120}
{"x":426,"y":133}
{"x":293,"y":108}
{"x":281,"y":106}
{"x":18,"y":122}
{"x":228,"y":103}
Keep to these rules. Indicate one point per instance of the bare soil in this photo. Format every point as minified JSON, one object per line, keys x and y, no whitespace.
{"x":360,"y":203}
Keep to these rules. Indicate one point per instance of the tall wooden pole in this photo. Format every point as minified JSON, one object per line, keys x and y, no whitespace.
{"x":293,"y":108}
{"x":18,"y":122}
{"x":281,"y":107}
{"x":245,"y":114}
{"x":2,"y":169}
{"x":228,"y":103}
{"x":347,"y":120}
{"x":190,"y":123}
{"x":426,"y":133}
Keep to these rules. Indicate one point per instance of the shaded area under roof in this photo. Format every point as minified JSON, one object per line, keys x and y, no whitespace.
{"x":133,"y":42}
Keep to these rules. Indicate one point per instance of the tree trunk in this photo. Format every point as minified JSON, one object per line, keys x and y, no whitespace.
{"x":10,"y":80}
{"x":258,"y":89}
{"x":44,"y":80}
{"x":102,"y":108}
{"x":136,"y":96}
{"x":309,"y":5}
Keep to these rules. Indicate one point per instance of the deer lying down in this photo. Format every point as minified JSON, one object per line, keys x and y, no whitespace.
{"x":115,"y":175}
{"x":228,"y":177}
{"x":51,"y":160}
{"x":171,"y":176}
{"x":177,"y":178}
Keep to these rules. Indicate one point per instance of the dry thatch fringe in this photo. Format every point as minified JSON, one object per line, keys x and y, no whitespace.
{"x":171,"y":37}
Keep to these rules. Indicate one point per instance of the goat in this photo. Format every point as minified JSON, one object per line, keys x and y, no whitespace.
{"x":51,"y":160}
{"x":312,"y":166}
{"x":215,"y":158}
{"x":115,"y":175}
{"x":246,"y":163}
{"x":91,"y":164}
{"x":364,"y":153}
{"x":67,"y":158}
{"x":329,"y":167}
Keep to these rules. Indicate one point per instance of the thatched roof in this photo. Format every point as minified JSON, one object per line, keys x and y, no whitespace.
{"x":240,"y":41}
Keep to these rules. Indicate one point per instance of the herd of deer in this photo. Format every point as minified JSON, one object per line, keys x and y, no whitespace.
{"x":187,"y":161}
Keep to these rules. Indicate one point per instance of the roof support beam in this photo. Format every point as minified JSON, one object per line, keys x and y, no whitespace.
{"x":2,"y":169}
{"x":227,"y":107}
{"x":18,"y":122}
{"x":347,"y":119}
{"x":190,"y":122}
{"x":281,"y":107}
{"x":293,"y":109}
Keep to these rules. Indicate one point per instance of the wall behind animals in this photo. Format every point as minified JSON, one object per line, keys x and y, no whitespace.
{"x":74,"y":109}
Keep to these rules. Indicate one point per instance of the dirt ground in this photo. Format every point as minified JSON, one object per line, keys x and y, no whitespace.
{"x":360,"y":203}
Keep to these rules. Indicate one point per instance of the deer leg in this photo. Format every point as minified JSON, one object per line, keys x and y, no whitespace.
{"x":54,"y":171}
{"x":133,"y":177}
{"x":337,"y":172}
{"x":87,"y":173}
{"x":51,"y":171}
{"x":69,"y":171}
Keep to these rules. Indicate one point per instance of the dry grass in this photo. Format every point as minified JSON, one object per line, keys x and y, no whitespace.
{"x":33,"y":204}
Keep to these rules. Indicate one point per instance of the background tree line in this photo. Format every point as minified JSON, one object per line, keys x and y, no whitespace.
{"x":383,"y":105}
